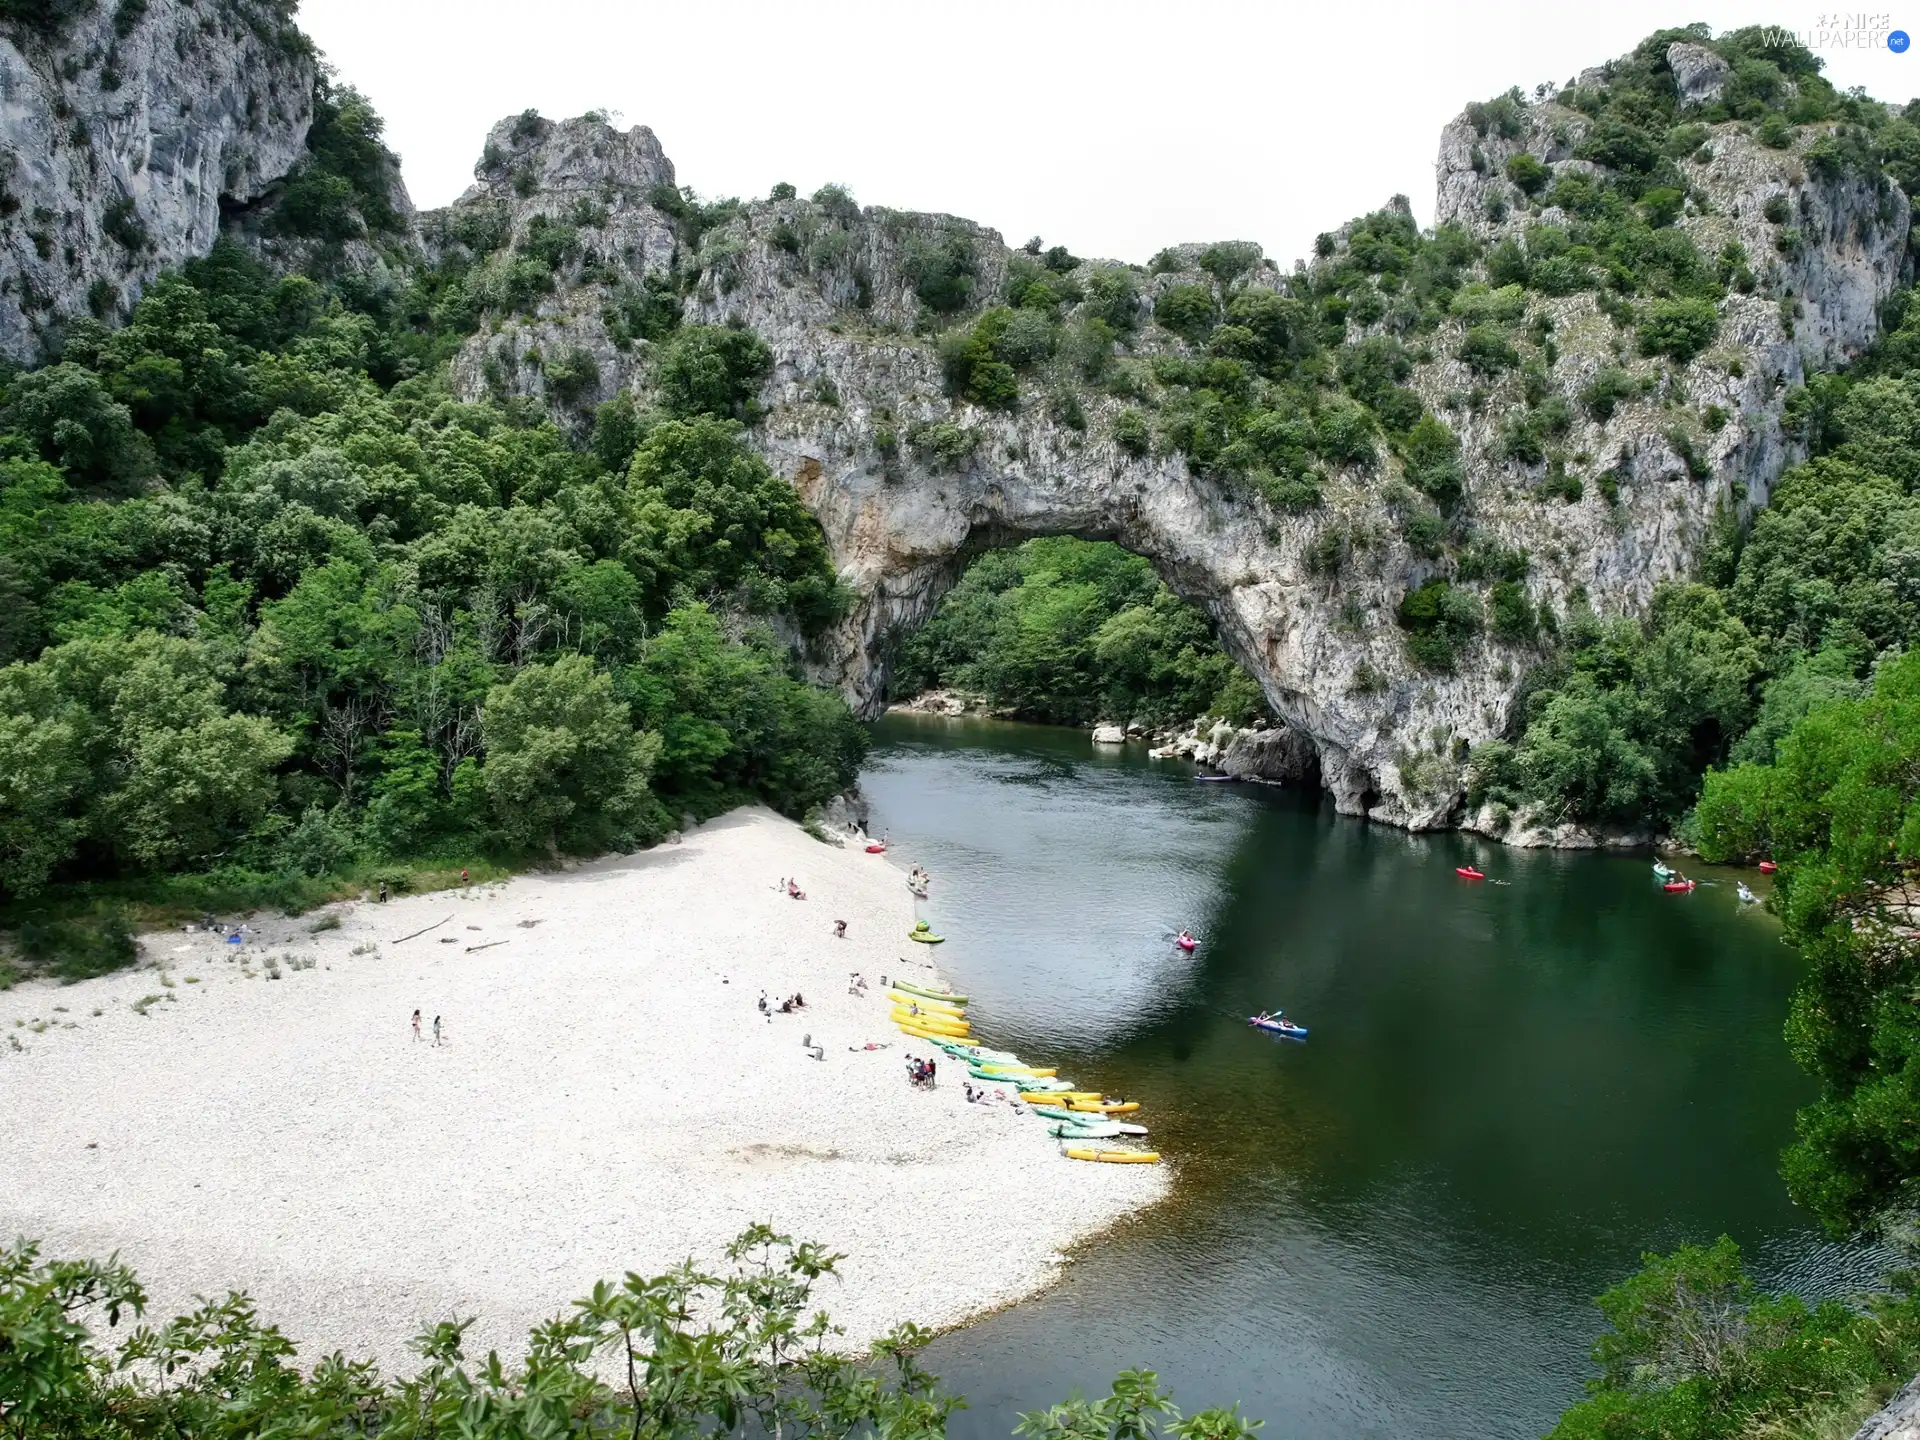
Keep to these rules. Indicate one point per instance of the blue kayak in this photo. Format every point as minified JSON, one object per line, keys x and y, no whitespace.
{"x":1277,"y":1026}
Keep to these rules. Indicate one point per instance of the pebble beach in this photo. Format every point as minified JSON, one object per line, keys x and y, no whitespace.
{"x":606,"y":1098}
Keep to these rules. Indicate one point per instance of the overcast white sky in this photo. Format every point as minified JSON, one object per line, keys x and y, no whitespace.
{"x":1113,"y":128}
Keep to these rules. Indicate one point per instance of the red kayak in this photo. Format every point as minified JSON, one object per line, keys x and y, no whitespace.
{"x":1677,"y":887}
{"x":876,"y":849}
{"x":1467,"y":872}
{"x":1767,"y":867}
{"x":1186,"y":942}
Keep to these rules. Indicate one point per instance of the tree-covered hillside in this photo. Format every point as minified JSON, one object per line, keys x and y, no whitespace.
{"x":276,"y":606}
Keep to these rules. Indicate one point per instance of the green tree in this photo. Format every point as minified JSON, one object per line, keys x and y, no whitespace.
{"x":712,"y":370}
{"x":565,"y":768}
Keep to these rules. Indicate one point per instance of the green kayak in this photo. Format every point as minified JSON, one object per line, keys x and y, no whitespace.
{"x":946,"y":995}
{"x":1084,"y":1132}
{"x":1054,"y":1112}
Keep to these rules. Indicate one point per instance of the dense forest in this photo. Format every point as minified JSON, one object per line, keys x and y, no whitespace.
{"x":1071,"y":631}
{"x":278,"y":609}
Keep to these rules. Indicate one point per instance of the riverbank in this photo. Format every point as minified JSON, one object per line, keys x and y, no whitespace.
{"x":606,"y":1098}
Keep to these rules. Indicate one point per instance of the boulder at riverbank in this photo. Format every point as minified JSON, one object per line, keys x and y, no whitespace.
{"x":608,"y":1098}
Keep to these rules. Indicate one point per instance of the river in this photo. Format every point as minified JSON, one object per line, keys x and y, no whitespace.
{"x":1397,"y":1226}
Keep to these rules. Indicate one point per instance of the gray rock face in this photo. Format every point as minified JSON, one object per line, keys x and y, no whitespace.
{"x":116,"y":150}
{"x":1900,"y":1420}
{"x":910,"y":485}
{"x":1698,"y":73}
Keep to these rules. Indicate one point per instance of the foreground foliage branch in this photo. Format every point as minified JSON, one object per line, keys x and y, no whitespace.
{"x":693,"y":1353}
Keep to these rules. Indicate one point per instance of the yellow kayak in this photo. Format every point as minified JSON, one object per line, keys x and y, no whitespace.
{"x":930,"y":1022}
{"x":1018,"y":1072}
{"x":1117,"y":1157}
{"x":920,"y":1034}
{"x":1097,"y":1106}
{"x":1060,"y":1099}
{"x":928,"y":1007}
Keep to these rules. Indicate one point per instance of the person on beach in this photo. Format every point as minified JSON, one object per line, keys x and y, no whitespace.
{"x":383,"y":892}
{"x":931,"y":1073}
{"x":436,"y":1029}
{"x":416,"y":1027}
{"x":463,"y":874}
{"x":762,"y":1002}
{"x":839,"y":929}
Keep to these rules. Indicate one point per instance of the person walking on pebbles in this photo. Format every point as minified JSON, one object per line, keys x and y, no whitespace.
{"x":436,"y":1029}
{"x":416,"y":1027}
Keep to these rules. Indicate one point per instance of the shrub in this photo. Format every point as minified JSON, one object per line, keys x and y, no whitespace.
{"x":1778,"y":209}
{"x":1528,"y":173}
{"x":1679,"y":329}
{"x":1131,"y":434}
{"x":942,"y":443}
{"x":1228,"y":261}
{"x":1512,"y":617}
{"x":1609,"y":386}
{"x":1188,"y":311}
{"x":571,"y":374}
{"x":1439,"y":620}
{"x":1114,"y":298}
{"x":1425,"y":533}
{"x":1486,"y":351}
{"x":1344,"y":433}
{"x":1774,"y":132}
{"x":712,"y":370}
{"x":782,"y":191}
{"x":1431,"y":454}
{"x":122,"y":224}
{"x":941,"y":272}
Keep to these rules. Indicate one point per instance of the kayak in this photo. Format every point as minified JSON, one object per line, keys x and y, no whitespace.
{"x":1050,"y":1086}
{"x":1278,"y":1027}
{"x":916,"y":890}
{"x":1467,"y":872}
{"x":926,"y":937}
{"x":952,"y":1029}
{"x":927,"y":994}
{"x":1117,"y":1157}
{"x":979,"y":1054}
{"x":936,"y":1018}
{"x":925,"y":1002}
{"x":1186,"y":943}
{"x":1098,"y":1130}
{"x":1016,"y":1072}
{"x":1665,"y":872}
{"x":1056,"y":1098}
{"x":876,"y":849}
{"x":1747,"y":897}
{"x":1213,"y":779}
{"x":933,"y":1025}
{"x":1006,"y":1077}
{"x":1767,"y":867}
{"x":1102,"y":1107}
{"x":1677,"y":887}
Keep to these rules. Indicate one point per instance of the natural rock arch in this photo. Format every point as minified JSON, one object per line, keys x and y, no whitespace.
{"x":909,"y":483}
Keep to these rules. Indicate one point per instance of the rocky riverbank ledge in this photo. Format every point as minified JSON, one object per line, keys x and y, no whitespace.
{"x":605,"y":1096}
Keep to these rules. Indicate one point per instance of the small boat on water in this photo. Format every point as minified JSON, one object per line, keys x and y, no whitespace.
{"x":1277,"y":1025}
{"x":919,"y":891}
{"x":1467,"y":872}
{"x":1662,"y":872}
{"x":1767,"y":867}
{"x":1677,"y":887}
{"x":876,"y":848}
{"x":1214,"y":779}
{"x":1185,"y":941}
{"x":1747,"y":897}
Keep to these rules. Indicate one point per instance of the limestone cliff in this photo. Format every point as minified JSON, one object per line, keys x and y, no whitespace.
{"x":910,"y":483}
{"x":123,"y":128}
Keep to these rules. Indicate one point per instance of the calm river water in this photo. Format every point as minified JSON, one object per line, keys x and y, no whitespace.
{"x":1396,"y":1227}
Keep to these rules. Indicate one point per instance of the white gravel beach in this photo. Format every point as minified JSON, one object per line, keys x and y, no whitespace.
{"x":607,"y":1098}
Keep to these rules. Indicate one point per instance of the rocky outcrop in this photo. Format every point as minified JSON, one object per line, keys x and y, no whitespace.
{"x":1900,"y":1420}
{"x":1698,"y":74}
{"x":122,"y":132}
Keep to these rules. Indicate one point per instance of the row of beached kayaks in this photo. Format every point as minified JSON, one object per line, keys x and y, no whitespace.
{"x":940,"y":1018}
